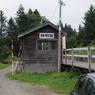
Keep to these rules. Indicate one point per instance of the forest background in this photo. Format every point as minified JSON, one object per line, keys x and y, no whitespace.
{"x":9,"y":30}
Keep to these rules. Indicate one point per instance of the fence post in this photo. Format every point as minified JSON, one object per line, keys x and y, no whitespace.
{"x":72,"y":56}
{"x":89,"y":59}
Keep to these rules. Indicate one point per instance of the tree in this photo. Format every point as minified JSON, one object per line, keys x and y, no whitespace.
{"x":12,"y":35}
{"x":71,"y":42}
{"x":4,"y":52}
{"x":88,"y":31}
{"x":68,"y":29}
{"x":44,"y":19}
{"x":12,"y":29}
{"x":2,"y":25}
{"x":36,"y":12}
{"x":30,"y":11}
{"x":71,"y":35}
{"x":80,"y":36}
{"x":21,"y":19}
{"x":34,"y":18}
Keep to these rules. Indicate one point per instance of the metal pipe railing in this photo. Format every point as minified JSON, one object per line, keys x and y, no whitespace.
{"x":88,"y":56}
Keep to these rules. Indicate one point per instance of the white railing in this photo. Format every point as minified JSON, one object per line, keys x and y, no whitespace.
{"x":88,"y":55}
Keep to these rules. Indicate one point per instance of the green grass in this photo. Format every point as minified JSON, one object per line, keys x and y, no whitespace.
{"x":60,"y":82}
{"x":2,"y":66}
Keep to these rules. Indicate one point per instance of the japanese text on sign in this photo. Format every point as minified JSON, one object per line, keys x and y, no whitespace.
{"x":46,"y":35}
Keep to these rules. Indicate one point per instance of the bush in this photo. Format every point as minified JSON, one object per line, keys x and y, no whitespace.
{"x":92,"y":43}
{"x":4,"y":52}
{"x":6,"y":61}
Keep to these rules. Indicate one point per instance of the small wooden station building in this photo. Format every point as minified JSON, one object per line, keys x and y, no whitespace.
{"x":40,"y":48}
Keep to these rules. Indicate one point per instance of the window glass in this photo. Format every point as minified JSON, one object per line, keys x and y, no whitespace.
{"x":47,"y":45}
{"x":39,"y":45}
{"x":53,"y":45}
{"x":79,"y":86}
{"x":89,"y":87}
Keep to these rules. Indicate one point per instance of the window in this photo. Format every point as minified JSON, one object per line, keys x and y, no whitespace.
{"x":47,"y":45}
{"x":52,"y":45}
{"x":42,"y":45}
{"x":89,"y":87}
{"x":79,"y":86}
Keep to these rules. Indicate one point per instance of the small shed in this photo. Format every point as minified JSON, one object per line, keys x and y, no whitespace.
{"x":40,"y":48}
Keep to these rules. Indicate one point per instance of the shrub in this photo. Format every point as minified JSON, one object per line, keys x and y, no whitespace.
{"x":92,"y":43}
{"x":4,"y":52}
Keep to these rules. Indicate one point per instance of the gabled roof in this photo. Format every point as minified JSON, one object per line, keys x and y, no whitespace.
{"x":36,"y":28}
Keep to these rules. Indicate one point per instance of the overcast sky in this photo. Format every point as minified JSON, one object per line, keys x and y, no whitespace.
{"x":72,"y":12}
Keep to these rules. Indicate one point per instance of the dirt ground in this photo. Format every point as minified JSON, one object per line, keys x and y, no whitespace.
{"x":13,"y":87}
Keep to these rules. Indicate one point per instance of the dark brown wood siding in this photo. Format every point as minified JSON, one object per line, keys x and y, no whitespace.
{"x":39,"y":60}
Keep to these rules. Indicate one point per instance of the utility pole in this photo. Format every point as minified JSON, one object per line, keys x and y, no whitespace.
{"x":59,"y":38}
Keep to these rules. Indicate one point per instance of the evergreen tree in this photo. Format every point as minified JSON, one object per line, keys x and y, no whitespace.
{"x":30,"y":11}
{"x":71,"y":35}
{"x":44,"y":19}
{"x":37,"y":16}
{"x":89,"y":26}
{"x":80,"y":37}
{"x":69,"y":30}
{"x":2,"y":25}
{"x":34,"y":18}
{"x":71,"y":42}
{"x":36,"y":12}
{"x":21,"y":19}
{"x":12,"y":29}
{"x":12,"y":35}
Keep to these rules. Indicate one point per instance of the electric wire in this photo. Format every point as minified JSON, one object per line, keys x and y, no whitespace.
{"x":54,"y":11}
{"x":67,"y":1}
{"x":56,"y":8}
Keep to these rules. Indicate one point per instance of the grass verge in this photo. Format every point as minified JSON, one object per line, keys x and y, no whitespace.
{"x":2,"y":66}
{"x":60,"y":82}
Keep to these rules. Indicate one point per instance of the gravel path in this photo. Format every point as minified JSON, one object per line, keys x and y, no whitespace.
{"x":12,"y":87}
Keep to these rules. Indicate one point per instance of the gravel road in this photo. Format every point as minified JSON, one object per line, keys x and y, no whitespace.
{"x":13,"y":87}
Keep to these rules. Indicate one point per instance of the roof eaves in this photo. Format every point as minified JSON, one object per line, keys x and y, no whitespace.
{"x":28,"y":31}
{"x":36,"y":28}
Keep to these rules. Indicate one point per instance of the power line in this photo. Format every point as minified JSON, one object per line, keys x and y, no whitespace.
{"x":54,"y":11}
{"x":56,"y":8}
{"x":67,"y":1}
